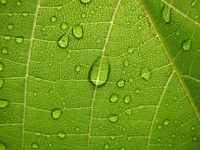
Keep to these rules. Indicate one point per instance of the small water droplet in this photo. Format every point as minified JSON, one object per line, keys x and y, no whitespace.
{"x":37,"y":133}
{"x":78,"y":68}
{"x":100,"y":126}
{"x":3,"y":2}
{"x":159,"y":126}
{"x":130,"y":79}
{"x":170,"y":145}
{"x":166,"y":122}
{"x":106,"y":145}
{"x":145,"y":73}
{"x":122,"y":148}
{"x":130,"y":50}
{"x":120,"y":83}
{"x":1,"y":66}
{"x":194,"y":3}
{"x":77,"y":128}
{"x":78,"y":32}
{"x":195,"y":138}
{"x":59,"y":7}
{"x":196,"y":16}
{"x":173,"y":135}
{"x":4,"y":50}
{"x":85,"y":1}
{"x":193,"y":128}
{"x":98,"y":40}
{"x":10,"y":26}
{"x":166,"y":13}
{"x":25,"y":14}
{"x":7,"y":37}
{"x":1,"y":82}
{"x":126,"y":63}
{"x":83,"y":15}
{"x":4,"y":103}
{"x":113,"y":118}
{"x":127,"y":99}
{"x":53,"y":19}
{"x":64,"y":26}
{"x":137,"y":91}
{"x":2,"y":146}
{"x":61,"y":134}
{"x":158,"y":139}
{"x":114,"y":98}
{"x":19,"y":39}
{"x":35,"y":145}
{"x":139,"y":27}
{"x":63,"y":41}
{"x":56,"y":113}
{"x":35,"y":93}
{"x":99,"y":76}
{"x":92,"y":11}
{"x":187,"y":45}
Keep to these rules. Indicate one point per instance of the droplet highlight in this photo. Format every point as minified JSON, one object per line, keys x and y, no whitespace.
{"x":113,"y":118}
{"x":114,"y":98}
{"x":56,"y":113}
{"x":166,"y":13}
{"x":4,"y":103}
{"x":187,"y":45}
{"x":145,"y":73}
{"x":63,"y":41}
{"x":78,"y":32}
{"x":127,"y":99}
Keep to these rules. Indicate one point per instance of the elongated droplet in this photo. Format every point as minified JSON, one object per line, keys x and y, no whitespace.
{"x":114,"y":98}
{"x":2,"y":146}
{"x":99,"y":73}
{"x":1,"y":66}
{"x":113,"y":118}
{"x":145,"y":73}
{"x":85,"y":1}
{"x":61,"y":134}
{"x":56,"y":113}
{"x":63,"y":41}
{"x":127,"y":99}
{"x":35,"y":145}
{"x":19,"y":39}
{"x":4,"y":103}
{"x":166,"y":13}
{"x":1,"y":82}
{"x":187,"y":45}
{"x":78,"y":32}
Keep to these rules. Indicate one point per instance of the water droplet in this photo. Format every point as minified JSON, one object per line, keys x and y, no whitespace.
{"x":126,"y":63}
{"x":92,"y":12}
{"x":98,"y":40}
{"x":193,"y":128}
{"x":7,"y":37}
{"x":35,"y":145}
{"x":139,"y":27}
{"x":130,"y":79}
{"x":53,"y":19}
{"x":4,"y":103}
{"x":85,"y":1}
{"x":127,"y":99}
{"x":63,"y":41}
{"x":100,"y":126}
{"x":78,"y":32}
{"x":3,"y":1}
{"x":99,"y":73}
{"x":170,"y":145}
{"x":114,"y":98}
{"x":37,"y":133}
{"x":106,"y":146}
{"x":1,"y":82}
{"x":19,"y":39}
{"x":195,"y":138}
{"x":122,"y":148}
{"x":113,"y":118}
{"x":130,"y":50}
{"x":137,"y":91}
{"x":120,"y":83}
{"x":78,"y":68}
{"x":83,"y":15}
{"x":2,"y":146}
{"x":173,"y":135}
{"x":64,"y":26}
{"x":56,"y":113}
{"x":59,"y":7}
{"x":166,"y":122}
{"x":193,"y":3}
{"x":4,"y":50}
{"x":77,"y":128}
{"x":61,"y":134}
{"x":166,"y":13}
{"x":158,"y":139}
{"x":1,"y":66}
{"x":25,"y":14}
{"x":10,"y":26}
{"x":159,"y":126}
{"x":145,"y":73}
{"x":186,"y":45}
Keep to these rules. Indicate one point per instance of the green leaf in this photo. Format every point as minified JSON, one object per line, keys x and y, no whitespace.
{"x":99,"y":74}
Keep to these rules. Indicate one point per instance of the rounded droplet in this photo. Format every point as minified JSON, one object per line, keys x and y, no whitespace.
{"x":56,"y":113}
{"x":122,"y":148}
{"x":99,"y":71}
{"x":78,"y":32}
{"x":187,"y":45}
{"x":98,"y":40}
{"x":127,"y":99}
{"x":114,"y":98}
{"x":145,"y":73}
{"x":63,"y":41}
{"x":1,"y":66}
{"x":53,"y":19}
{"x":61,"y":134}
{"x":83,"y":15}
{"x":106,"y":146}
{"x":159,"y":126}
{"x":139,"y":27}
{"x":77,"y":128}
{"x":173,"y":135}
{"x":78,"y":68}
{"x":10,"y":26}
{"x":130,"y":79}
{"x":166,"y":13}
{"x":59,"y":7}
{"x":113,"y":118}
{"x":166,"y":122}
{"x":4,"y":50}
{"x":64,"y":26}
{"x":130,"y":50}
{"x":3,"y":1}
{"x":158,"y":139}
{"x":195,"y":138}
{"x":120,"y":83}
{"x":35,"y":145}
{"x":4,"y":103}
{"x":85,"y":1}
{"x":19,"y":39}
{"x":7,"y":37}
{"x":126,"y":63}
{"x":2,"y":146}
{"x":193,"y":128}
{"x":1,"y":82}
{"x":137,"y":91}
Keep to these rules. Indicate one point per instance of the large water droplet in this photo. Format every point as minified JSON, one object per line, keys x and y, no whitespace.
{"x":166,"y":13}
{"x":53,"y":19}
{"x":1,"y":82}
{"x":56,"y":113}
{"x":166,"y":122}
{"x":127,"y":99}
{"x":61,"y":134}
{"x":99,"y":71}
{"x":85,"y":1}
{"x":3,"y":1}
{"x":2,"y":146}
{"x":113,"y":118}
{"x":120,"y":83}
{"x":78,"y":32}
{"x":145,"y":73}
{"x":63,"y":41}
{"x":35,"y":145}
{"x":186,"y":45}
{"x":114,"y":98}
{"x":4,"y":103}
{"x":1,"y":66}
{"x":19,"y":39}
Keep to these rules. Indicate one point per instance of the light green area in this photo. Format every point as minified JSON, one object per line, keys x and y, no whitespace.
{"x":99,"y":74}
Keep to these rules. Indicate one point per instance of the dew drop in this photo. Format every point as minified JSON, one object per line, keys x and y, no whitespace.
{"x":137,"y":91}
{"x":159,"y":126}
{"x":4,"y":50}
{"x":195,"y":138}
{"x":4,"y":103}
{"x":127,"y":99}
{"x":1,"y":66}
{"x":1,"y":82}
{"x":126,"y":63}
{"x":113,"y":118}
{"x":61,"y":134}
{"x":35,"y":145}
{"x":85,"y":1}
{"x":114,"y":98}
{"x":173,"y":135}
{"x":98,"y":40}
{"x":56,"y":113}
{"x":53,"y":19}
{"x":186,"y":45}
{"x":194,"y":3}
{"x":37,"y":133}
{"x":196,"y":16}
{"x":99,"y":76}
{"x":3,"y":1}
{"x":7,"y":37}
{"x":64,"y":26}
{"x":78,"y":32}
{"x":130,"y":50}
{"x":193,"y":128}
{"x":166,"y":122}
{"x":166,"y":13}
{"x":77,"y":128}
{"x":19,"y":39}
{"x":106,"y":146}
{"x":158,"y":139}
{"x":10,"y":26}
{"x":122,"y":148}
{"x":83,"y":15}
{"x":139,"y":27}
{"x":2,"y":146}
{"x":25,"y":14}
{"x":78,"y":68}
{"x":120,"y":83}
{"x":59,"y":7}
{"x":145,"y":73}
{"x":100,"y":126}
{"x":63,"y":41}
{"x":130,"y":79}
